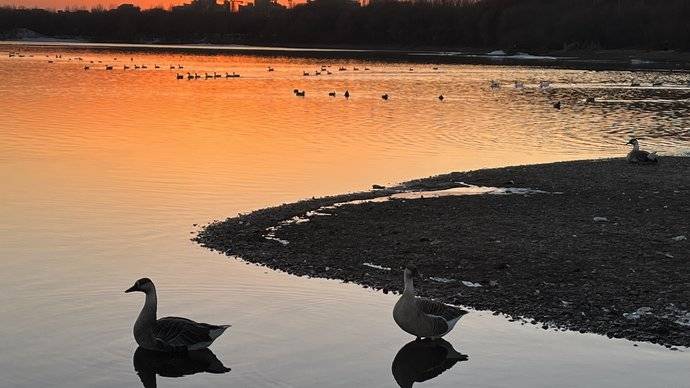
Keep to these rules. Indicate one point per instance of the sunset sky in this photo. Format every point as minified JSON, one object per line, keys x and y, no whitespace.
{"x":61,"y":4}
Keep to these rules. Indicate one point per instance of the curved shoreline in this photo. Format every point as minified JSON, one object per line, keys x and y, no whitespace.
{"x":603,"y":256}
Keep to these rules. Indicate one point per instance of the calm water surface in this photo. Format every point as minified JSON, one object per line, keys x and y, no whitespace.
{"x":104,"y":174}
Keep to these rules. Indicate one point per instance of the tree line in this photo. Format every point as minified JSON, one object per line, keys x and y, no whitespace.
{"x":507,"y":24}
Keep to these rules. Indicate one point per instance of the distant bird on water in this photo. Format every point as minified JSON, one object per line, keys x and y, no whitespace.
{"x":346,"y":94}
{"x":423,"y":318}
{"x":494,"y":84}
{"x":557,"y":105}
{"x":300,"y":93}
{"x":331,"y":94}
{"x":441,"y":98}
{"x":385,"y":96}
{"x":169,"y":334}
{"x":638,"y":156}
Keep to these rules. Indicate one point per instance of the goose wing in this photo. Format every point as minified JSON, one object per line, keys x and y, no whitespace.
{"x":432,"y":307}
{"x":182,"y":332}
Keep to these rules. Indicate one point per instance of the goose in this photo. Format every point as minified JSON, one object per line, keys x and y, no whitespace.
{"x":180,"y":76}
{"x":557,"y":105}
{"x":366,"y":69}
{"x":216,"y":75}
{"x":86,"y":68}
{"x":125,"y":67}
{"x":346,"y":94}
{"x":144,"y":67}
{"x":300,"y":94}
{"x":305,"y":73}
{"x":331,"y":94}
{"x":108,"y":67}
{"x":270,"y":69}
{"x":423,"y":360}
{"x":180,"y":67}
{"x":638,"y":156}
{"x":190,"y":76}
{"x":341,"y":68}
{"x":170,"y":333}
{"x":423,"y":318}
{"x":440,"y":97}
{"x":385,"y":96}
{"x":156,"y":67}
{"x":355,"y":68}
{"x":172,"y":67}
{"x":148,"y":364}
{"x":434,"y":68}
{"x":328,"y":73}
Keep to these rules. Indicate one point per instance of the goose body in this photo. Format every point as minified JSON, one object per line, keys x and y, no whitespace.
{"x":169,"y":334}
{"x":638,"y":156}
{"x":424,"y":318}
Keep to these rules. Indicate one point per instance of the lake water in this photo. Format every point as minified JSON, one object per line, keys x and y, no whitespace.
{"x":104,"y":174}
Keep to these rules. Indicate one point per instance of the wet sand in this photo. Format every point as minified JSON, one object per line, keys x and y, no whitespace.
{"x":601,"y":252}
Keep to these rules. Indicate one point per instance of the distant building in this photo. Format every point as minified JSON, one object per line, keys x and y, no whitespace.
{"x":206,"y":6}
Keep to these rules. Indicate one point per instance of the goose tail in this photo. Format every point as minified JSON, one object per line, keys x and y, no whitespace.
{"x":217,"y":331}
{"x":653,"y":157}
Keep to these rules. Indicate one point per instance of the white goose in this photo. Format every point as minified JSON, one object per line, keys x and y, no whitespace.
{"x":638,"y":156}
{"x":424,"y":318}
{"x":170,"y":333}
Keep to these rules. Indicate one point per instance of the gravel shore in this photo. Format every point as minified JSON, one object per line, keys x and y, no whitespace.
{"x":604,"y":250}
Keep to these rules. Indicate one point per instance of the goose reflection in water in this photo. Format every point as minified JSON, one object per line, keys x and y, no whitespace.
{"x":149,"y":363}
{"x":422,"y":360}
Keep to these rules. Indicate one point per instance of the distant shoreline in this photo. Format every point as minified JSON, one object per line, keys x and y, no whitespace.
{"x":602,"y":252}
{"x":583,"y":59}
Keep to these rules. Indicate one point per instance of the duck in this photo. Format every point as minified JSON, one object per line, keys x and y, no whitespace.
{"x":440,"y":97}
{"x":180,"y":76}
{"x":557,"y":105}
{"x":346,"y":94}
{"x":638,"y":156}
{"x":385,"y":96}
{"x":300,"y":93}
{"x":169,"y":334}
{"x":422,"y":360}
{"x":331,"y":94}
{"x":421,"y":317}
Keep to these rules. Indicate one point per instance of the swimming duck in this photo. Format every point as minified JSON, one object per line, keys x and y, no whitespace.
{"x":638,"y":156}
{"x":169,"y":334}
{"x":300,"y":93}
{"x":331,"y":94}
{"x":423,"y":317}
{"x":385,"y":96}
{"x":440,"y":97}
{"x":346,"y":94}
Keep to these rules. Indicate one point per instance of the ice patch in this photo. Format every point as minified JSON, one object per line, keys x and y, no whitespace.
{"x":370,"y":265}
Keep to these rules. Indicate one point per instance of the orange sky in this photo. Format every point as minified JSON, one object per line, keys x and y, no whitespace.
{"x":61,"y":4}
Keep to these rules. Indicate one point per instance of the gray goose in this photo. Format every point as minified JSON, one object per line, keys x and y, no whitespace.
{"x":423,"y":318}
{"x":638,"y":156}
{"x":169,"y":334}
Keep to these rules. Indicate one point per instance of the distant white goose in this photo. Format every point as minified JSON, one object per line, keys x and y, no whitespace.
{"x":170,"y":333}
{"x":638,"y":156}
{"x":424,"y":318}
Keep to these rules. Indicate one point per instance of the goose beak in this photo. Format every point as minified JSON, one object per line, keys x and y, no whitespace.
{"x":132,"y":289}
